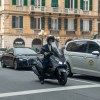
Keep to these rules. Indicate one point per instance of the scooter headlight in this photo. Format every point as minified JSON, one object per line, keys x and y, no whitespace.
{"x":65,"y":62}
{"x":60,"y":62}
{"x":21,"y":59}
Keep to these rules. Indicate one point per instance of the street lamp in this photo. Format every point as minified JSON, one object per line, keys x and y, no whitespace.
{"x":42,"y":34}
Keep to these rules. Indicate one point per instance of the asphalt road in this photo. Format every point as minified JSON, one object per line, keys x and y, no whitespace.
{"x":24,"y":85}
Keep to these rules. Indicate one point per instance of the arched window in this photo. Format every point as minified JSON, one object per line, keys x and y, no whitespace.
{"x":36,"y":43}
{"x":19,"y":43}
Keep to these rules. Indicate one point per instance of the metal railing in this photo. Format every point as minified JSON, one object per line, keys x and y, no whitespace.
{"x":54,"y":10}
{"x":62,"y":10}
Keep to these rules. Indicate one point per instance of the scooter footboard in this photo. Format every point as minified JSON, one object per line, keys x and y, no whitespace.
{"x":34,"y":69}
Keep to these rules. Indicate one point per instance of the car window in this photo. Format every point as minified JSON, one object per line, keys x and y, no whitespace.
{"x":92,"y":46}
{"x":21,"y":51}
{"x":78,"y":46}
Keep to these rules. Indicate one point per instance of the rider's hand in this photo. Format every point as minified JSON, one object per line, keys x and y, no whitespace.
{"x":46,"y":53}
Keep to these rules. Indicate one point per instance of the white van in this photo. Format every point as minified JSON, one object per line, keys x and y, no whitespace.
{"x":83,"y":57}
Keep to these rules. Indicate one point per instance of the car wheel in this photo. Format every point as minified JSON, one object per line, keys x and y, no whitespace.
{"x":69,"y":72}
{"x":2,"y":64}
{"x":16,"y":65}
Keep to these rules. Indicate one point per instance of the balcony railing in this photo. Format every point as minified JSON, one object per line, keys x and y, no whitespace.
{"x":71,"y":11}
{"x":20,"y":8}
{"x":85,"y":32}
{"x":85,"y":12}
{"x":54,"y":10}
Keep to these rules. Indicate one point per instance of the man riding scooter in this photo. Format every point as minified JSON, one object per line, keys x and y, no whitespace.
{"x":46,"y":49}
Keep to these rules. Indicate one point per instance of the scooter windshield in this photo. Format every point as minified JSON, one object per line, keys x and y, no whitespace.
{"x":57,"y":51}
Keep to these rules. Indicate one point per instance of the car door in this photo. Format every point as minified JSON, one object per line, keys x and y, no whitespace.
{"x":76,"y":52}
{"x":93,"y":61}
{"x":5,"y":58}
{"x":11,"y":57}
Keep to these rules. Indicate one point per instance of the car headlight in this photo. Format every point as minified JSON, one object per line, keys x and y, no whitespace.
{"x":21,"y":59}
{"x":65,"y":62}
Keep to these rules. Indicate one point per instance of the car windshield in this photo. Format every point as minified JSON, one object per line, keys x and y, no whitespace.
{"x":24,"y":51}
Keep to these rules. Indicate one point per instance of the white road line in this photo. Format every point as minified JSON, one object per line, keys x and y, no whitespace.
{"x":20,"y":93}
{"x":79,"y":80}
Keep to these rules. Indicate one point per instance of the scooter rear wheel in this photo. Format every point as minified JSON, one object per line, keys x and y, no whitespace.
{"x":63,"y":79}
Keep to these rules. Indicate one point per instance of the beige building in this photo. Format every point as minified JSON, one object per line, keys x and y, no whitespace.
{"x":28,"y":22}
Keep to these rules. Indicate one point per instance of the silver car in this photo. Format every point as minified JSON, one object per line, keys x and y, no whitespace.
{"x":83,"y":57}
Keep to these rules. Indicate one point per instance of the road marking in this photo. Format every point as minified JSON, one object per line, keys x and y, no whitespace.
{"x":79,"y":80}
{"x":20,"y":93}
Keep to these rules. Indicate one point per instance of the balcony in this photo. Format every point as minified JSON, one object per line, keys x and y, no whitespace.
{"x":86,"y":32}
{"x":37,"y":9}
{"x":54,"y":10}
{"x":20,"y":8}
{"x":58,"y":10}
{"x":71,"y":11}
{"x":86,"y":12}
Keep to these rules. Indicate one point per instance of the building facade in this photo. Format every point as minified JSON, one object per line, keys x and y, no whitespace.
{"x":28,"y":22}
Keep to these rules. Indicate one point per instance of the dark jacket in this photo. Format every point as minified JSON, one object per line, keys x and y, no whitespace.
{"x":44,"y":49}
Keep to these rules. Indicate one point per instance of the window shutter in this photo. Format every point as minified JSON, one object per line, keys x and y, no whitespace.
{"x":0,"y":2}
{"x":42,"y":22}
{"x":25,"y":2}
{"x":81,"y":5}
{"x":43,"y":2}
{"x":13,"y":21}
{"x":54,"y":3}
{"x":21,"y":21}
{"x":66,"y":24}
{"x":49,"y":23}
{"x":99,"y":6}
{"x":67,"y":3}
{"x":13,"y":2}
{"x":76,"y":4}
{"x":59,"y":23}
{"x":81,"y":23}
{"x":32,"y":22}
{"x":75,"y":24}
{"x":90,"y":4}
{"x":32,"y":2}
{"x":90,"y":25}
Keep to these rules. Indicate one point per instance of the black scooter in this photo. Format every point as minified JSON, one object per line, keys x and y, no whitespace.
{"x":57,"y":68}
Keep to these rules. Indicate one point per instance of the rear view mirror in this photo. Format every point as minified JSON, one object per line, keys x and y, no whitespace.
{"x":96,"y":53}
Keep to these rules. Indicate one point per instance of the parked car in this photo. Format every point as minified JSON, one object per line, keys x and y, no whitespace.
{"x":83,"y":57}
{"x":2,"y":50}
{"x":18,"y":58}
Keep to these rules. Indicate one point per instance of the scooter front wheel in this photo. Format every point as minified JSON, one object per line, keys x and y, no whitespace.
{"x":63,"y":79}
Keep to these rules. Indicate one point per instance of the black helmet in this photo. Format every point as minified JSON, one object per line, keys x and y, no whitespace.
{"x":50,"y":37}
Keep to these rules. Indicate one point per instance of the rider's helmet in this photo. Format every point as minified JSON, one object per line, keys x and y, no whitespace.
{"x":50,"y":37}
